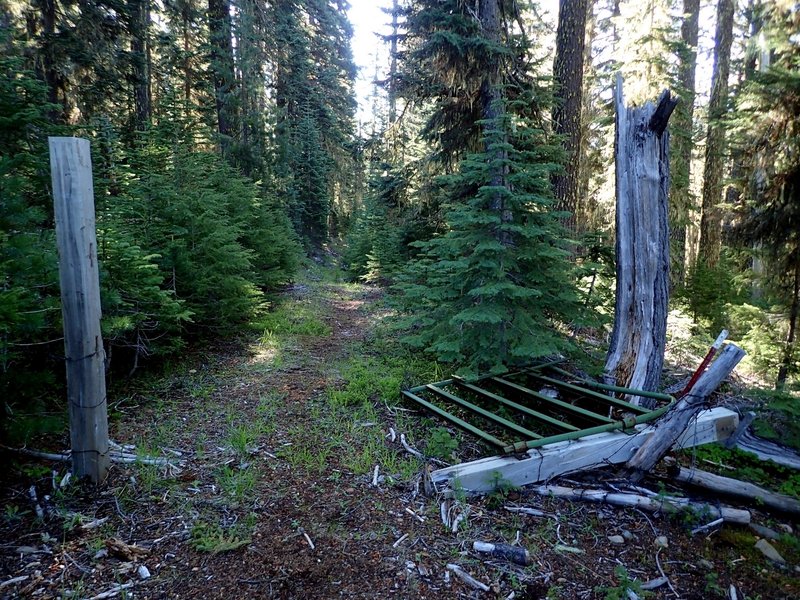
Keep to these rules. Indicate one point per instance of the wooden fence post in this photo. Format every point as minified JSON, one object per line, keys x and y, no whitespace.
{"x":73,"y":195}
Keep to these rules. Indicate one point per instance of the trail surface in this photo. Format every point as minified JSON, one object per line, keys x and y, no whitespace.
{"x":275,"y":439}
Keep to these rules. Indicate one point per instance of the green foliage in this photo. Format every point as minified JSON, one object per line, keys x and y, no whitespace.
{"x":760,"y":332}
{"x":624,"y":585}
{"x":185,"y":245}
{"x":441,"y":444}
{"x":778,"y":417}
{"x":709,"y":291}
{"x":501,"y":488}
{"x":489,"y":293}
{"x":210,"y":537}
{"x":750,"y":468}
{"x":765,"y":133}
{"x":30,"y":314}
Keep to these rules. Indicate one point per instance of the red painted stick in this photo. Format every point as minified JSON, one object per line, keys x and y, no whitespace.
{"x":701,"y":369}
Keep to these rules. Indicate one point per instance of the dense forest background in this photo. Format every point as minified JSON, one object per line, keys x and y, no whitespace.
{"x":226,"y":151}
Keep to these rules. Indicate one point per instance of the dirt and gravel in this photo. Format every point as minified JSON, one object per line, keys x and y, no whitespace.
{"x":272,"y":493}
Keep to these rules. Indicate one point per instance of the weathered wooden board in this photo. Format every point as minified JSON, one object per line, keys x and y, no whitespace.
{"x":542,"y":464}
{"x":73,"y":201}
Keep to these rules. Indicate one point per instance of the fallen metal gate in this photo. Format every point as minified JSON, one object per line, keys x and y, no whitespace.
{"x":560,"y":410}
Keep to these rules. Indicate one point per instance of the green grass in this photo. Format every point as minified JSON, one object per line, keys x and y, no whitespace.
{"x":289,"y":319}
{"x":236,"y":484}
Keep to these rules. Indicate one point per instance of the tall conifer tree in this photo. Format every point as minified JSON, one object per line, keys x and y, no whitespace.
{"x":484,"y":294}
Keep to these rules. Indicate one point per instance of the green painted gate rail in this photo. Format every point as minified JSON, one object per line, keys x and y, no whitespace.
{"x":512,"y":403}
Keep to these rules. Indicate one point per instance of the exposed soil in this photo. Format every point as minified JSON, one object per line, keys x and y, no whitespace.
{"x":273,"y":496}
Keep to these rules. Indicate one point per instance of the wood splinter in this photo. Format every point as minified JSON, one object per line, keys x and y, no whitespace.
{"x":467,"y":578}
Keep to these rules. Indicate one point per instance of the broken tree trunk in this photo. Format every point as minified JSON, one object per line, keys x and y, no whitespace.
{"x":636,"y":352}
{"x":739,"y":489}
{"x":670,"y":427}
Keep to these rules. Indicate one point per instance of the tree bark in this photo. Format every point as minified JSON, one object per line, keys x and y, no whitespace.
{"x":222,"y":69}
{"x":493,"y":112}
{"x":568,"y":83}
{"x":636,"y":352}
{"x":788,"y":352}
{"x":674,"y":423}
{"x":711,"y":222}
{"x":140,"y":24}
{"x":681,"y":200}
{"x":49,"y":70}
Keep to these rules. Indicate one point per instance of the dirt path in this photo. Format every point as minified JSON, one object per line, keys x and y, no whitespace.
{"x":277,"y":438}
{"x":274,"y":496}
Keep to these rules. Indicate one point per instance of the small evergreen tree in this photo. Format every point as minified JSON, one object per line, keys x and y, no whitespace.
{"x":483,"y":303}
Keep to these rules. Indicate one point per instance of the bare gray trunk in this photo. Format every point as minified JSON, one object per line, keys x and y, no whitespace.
{"x":636,"y":352}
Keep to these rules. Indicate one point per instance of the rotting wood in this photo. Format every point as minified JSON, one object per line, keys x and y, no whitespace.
{"x":663,"y":504}
{"x":542,"y":464}
{"x":114,"y":456}
{"x":73,"y":201}
{"x":636,"y":351}
{"x":739,"y":489}
{"x":114,"y":591}
{"x":767,"y":450}
{"x":675,"y":422}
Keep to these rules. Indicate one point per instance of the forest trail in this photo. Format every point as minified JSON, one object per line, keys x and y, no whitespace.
{"x":273,"y":496}
{"x":276,"y":437}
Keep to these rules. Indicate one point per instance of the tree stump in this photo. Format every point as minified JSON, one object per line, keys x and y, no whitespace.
{"x":636,"y":352}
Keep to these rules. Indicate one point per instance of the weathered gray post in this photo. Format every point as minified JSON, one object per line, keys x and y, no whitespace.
{"x":73,"y":195}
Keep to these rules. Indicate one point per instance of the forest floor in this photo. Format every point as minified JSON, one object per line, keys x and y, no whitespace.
{"x":275,"y":439}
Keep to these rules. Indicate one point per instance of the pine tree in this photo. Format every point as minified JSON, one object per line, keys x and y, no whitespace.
{"x":568,"y":72}
{"x":484,"y":293}
{"x":710,"y":224}
{"x":30,"y":313}
{"x":767,"y":136}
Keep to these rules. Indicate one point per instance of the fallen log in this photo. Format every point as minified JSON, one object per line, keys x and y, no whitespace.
{"x":673,"y":424}
{"x":739,"y":489}
{"x":659,"y":503}
{"x":766,"y":450}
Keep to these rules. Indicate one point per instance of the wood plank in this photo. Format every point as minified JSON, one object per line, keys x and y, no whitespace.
{"x":73,"y":201}
{"x":542,"y":464}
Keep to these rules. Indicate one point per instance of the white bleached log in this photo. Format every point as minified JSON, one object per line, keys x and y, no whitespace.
{"x":542,"y":464}
{"x":665,"y":504}
{"x":739,"y":489}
